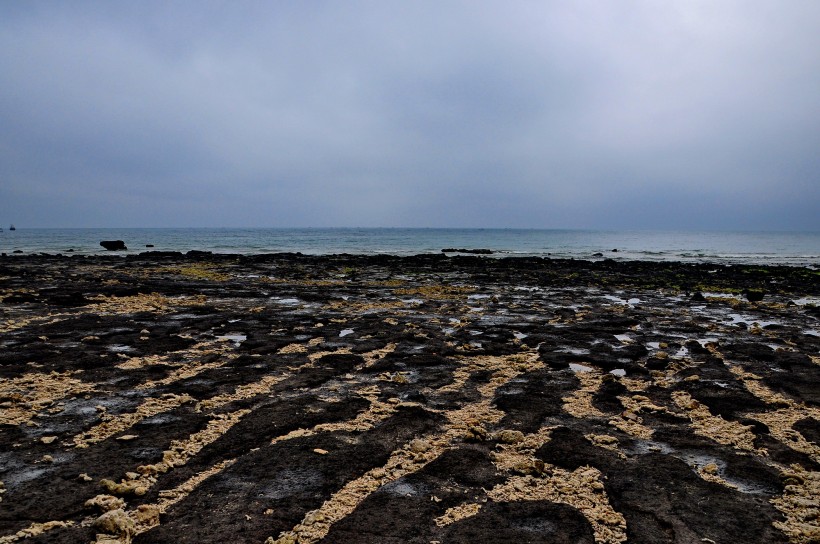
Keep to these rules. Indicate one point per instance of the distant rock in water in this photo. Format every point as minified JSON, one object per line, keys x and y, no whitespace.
{"x":149,"y":245}
{"x":597,"y":254}
{"x":698,"y":297}
{"x":113,"y":245}
{"x":473,"y":251}
{"x":615,"y":250}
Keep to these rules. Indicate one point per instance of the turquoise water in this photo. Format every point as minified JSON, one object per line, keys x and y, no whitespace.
{"x":725,"y":247}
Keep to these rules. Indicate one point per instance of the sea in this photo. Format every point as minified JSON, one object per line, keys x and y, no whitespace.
{"x":782,"y":248}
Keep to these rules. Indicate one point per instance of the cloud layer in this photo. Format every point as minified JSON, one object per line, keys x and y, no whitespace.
{"x":471,"y":114}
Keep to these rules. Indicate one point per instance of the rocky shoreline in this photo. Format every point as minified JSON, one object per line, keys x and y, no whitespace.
{"x":167,"y":397}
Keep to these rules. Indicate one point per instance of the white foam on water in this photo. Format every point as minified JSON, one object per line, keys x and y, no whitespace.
{"x":346,"y":332}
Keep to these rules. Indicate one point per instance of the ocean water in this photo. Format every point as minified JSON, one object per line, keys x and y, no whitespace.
{"x":720,"y":247}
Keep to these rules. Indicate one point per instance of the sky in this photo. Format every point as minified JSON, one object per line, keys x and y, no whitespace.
{"x":631,"y":114}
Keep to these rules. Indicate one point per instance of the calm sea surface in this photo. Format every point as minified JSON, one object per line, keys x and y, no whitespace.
{"x":724,"y":247}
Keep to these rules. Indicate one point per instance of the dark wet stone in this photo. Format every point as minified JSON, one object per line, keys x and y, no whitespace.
{"x":403,"y":510}
{"x":809,"y":428}
{"x":289,"y":477}
{"x":690,"y":510}
{"x":800,"y":379}
{"x":725,"y":396}
{"x":524,"y":522}
{"x":754,"y":295}
{"x":697,"y":297}
{"x":606,"y":398}
{"x":749,"y":351}
{"x":569,"y":449}
{"x":532,"y":398}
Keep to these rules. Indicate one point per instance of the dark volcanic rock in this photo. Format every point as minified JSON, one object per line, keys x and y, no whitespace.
{"x":401,"y":387}
{"x":697,"y":297}
{"x":754,"y":295}
{"x":658,"y":513}
{"x":524,"y":522}
{"x":403,"y":511}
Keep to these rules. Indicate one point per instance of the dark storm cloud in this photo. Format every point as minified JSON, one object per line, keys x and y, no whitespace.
{"x":558,"y":114}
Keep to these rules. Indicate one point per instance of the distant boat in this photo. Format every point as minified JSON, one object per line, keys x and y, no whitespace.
{"x":12,"y":228}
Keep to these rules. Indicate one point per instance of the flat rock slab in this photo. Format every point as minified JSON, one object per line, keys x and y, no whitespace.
{"x":291,"y":398}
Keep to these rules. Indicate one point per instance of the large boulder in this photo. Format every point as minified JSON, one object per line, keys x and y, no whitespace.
{"x":113,"y":245}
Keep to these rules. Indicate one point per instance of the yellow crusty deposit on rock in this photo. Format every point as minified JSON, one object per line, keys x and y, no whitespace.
{"x":31,"y":393}
{"x":200,"y":271}
{"x":406,"y":460}
{"x":35,"y":529}
{"x":579,"y":404}
{"x":715,"y":427}
{"x":781,"y":421}
{"x":457,"y":513}
{"x":437,"y":292}
{"x":119,"y":423}
{"x":105,"y":502}
{"x":800,"y":503}
{"x":117,"y":523}
{"x":246,"y":391}
{"x":581,"y":488}
{"x":153,"y":302}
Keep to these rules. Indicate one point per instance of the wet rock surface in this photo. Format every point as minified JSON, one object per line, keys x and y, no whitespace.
{"x":287,"y":398}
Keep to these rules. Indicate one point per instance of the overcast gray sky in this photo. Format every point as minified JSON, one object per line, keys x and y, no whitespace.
{"x":544,"y":114}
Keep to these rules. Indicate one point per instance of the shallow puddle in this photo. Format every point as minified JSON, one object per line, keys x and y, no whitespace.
{"x":236,"y":338}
